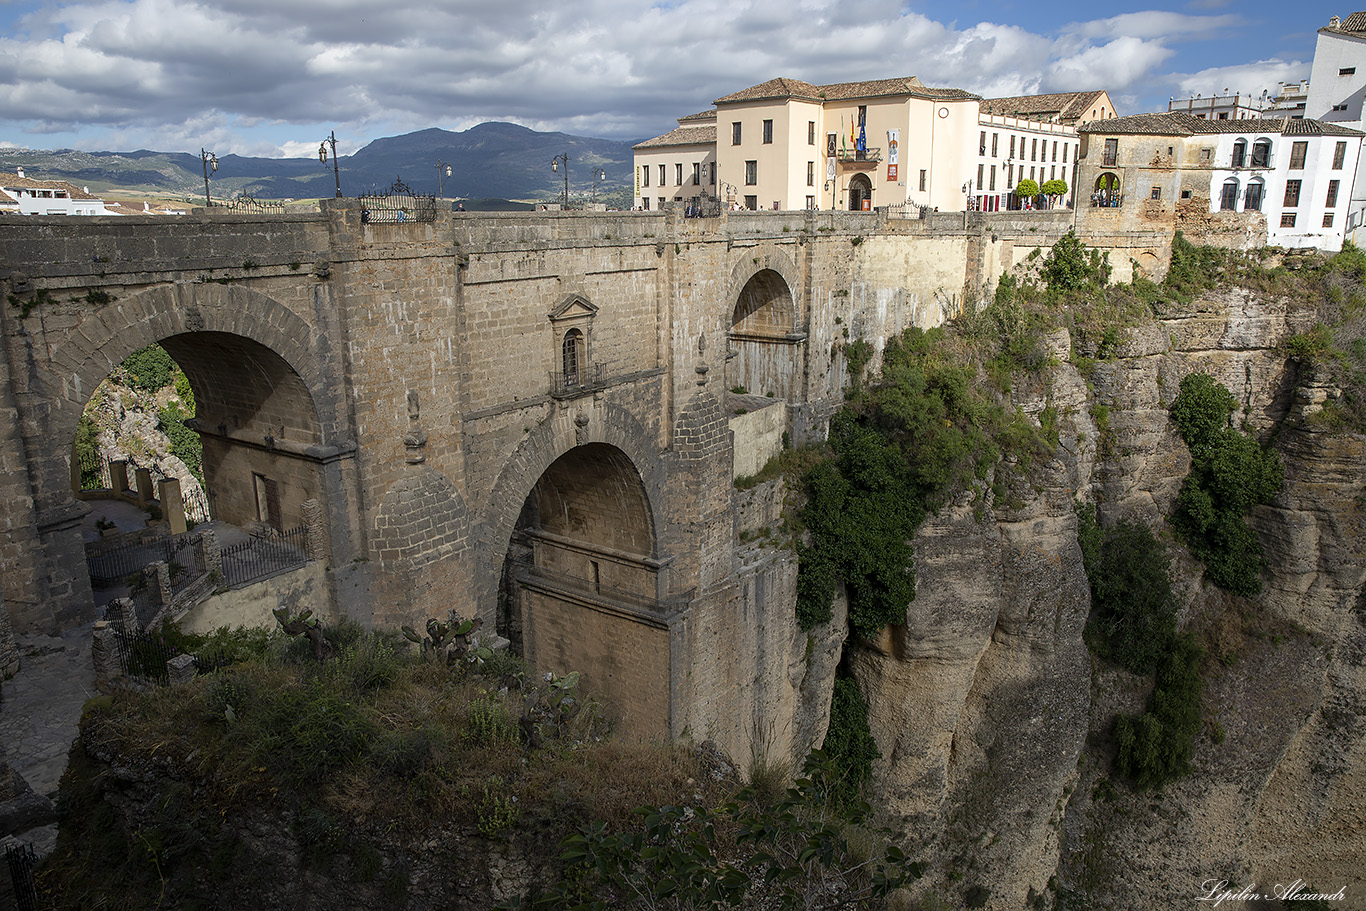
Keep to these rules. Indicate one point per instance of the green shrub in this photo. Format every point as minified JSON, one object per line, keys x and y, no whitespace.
{"x":1230,"y":474}
{"x":1155,"y":747}
{"x":311,"y":733}
{"x":148,"y":369}
{"x":849,"y":741}
{"x":781,"y":857}
{"x":905,"y":438}
{"x":487,"y":723}
{"x":186,"y":444}
{"x":1070,"y":266}
{"x":1312,"y":345}
{"x":1133,"y":617}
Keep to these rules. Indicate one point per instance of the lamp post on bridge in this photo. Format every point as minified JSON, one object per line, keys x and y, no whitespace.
{"x":210,"y":161}
{"x":322,"y":156}
{"x":443,"y":170}
{"x":598,"y":174}
{"x":562,"y":158}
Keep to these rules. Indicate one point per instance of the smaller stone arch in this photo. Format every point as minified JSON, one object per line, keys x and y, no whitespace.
{"x":766,"y":342}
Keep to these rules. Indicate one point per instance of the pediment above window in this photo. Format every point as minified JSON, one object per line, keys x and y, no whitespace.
{"x":573,"y":306}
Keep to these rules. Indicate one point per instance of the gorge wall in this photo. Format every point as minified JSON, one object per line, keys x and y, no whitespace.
{"x":994,"y":721}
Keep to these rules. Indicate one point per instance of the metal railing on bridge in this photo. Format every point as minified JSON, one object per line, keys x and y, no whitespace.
{"x":397,"y":205}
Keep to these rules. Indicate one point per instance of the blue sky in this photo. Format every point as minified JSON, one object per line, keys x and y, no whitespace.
{"x":272,"y":77}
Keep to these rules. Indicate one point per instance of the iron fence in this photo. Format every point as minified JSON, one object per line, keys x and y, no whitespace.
{"x":22,"y":860}
{"x":94,"y":471}
{"x":396,"y":205}
{"x":143,"y":654}
{"x":247,"y":204}
{"x":110,"y":565}
{"x":262,"y":556}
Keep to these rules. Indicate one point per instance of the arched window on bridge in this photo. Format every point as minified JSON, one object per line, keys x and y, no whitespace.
{"x":572,"y":353}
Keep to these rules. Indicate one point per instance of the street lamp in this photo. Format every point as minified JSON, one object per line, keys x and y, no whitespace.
{"x":598,"y":174}
{"x":322,"y":156}
{"x":731,"y":192}
{"x":210,"y":162}
{"x":562,"y":158}
{"x":443,"y":170}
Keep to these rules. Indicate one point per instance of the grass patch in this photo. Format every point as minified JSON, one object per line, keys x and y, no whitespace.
{"x":353,"y":757}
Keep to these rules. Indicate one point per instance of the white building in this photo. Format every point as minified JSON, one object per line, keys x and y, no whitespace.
{"x":1297,"y":173}
{"x":1337,"y":86}
{"x":678,"y":166}
{"x":1221,"y":107}
{"x":29,"y":196}
{"x":787,"y":144}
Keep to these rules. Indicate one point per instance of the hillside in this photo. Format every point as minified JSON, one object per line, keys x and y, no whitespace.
{"x":501,"y":160}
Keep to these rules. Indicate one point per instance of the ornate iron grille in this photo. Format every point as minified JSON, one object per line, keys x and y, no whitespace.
{"x":250,"y":205}
{"x":397,"y":205}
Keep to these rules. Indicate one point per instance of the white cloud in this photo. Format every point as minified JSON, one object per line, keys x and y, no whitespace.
{"x":1247,"y":79}
{"x":254,"y":75}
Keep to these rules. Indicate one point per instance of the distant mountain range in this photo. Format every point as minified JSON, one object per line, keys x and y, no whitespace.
{"x":491,"y":160}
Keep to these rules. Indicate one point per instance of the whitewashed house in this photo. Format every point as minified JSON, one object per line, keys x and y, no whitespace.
{"x":31,"y":196}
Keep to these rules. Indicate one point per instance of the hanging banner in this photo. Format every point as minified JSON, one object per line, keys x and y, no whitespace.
{"x":893,"y":152}
{"x":830,"y":169}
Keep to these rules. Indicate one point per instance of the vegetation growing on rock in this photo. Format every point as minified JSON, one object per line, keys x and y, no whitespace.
{"x":343,"y":768}
{"x":1230,"y":474}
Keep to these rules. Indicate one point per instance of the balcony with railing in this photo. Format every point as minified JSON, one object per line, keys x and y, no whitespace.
{"x":868,"y":155}
{"x":572,"y":384}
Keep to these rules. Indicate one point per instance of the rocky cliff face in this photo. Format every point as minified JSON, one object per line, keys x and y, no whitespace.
{"x":994,"y":721}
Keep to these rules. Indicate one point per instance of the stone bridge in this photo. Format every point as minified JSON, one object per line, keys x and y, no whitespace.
{"x":525,"y":417}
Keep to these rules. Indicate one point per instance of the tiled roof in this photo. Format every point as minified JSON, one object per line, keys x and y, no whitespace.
{"x":1317,"y":128}
{"x":781,"y":87}
{"x":844,"y":91}
{"x":1356,"y":22}
{"x":909,"y":85}
{"x":701,"y":116}
{"x":683,"y":136}
{"x":1179,"y":123}
{"x":1068,"y":106}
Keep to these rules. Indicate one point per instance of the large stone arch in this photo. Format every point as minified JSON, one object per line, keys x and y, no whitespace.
{"x":91,"y":351}
{"x":764,"y":328}
{"x":587,"y":589}
{"x":63,"y":370}
{"x":591,"y":422}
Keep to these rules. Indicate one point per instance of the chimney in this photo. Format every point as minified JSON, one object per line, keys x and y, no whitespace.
{"x":1335,"y":22}
{"x":21,"y":172}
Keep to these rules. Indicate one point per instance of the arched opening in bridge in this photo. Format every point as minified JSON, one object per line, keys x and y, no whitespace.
{"x":860,"y":193}
{"x":214,"y":422}
{"x":765,"y":343}
{"x":583,"y":590}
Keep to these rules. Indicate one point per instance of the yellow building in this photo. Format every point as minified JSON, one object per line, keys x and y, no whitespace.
{"x":788,"y":144}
